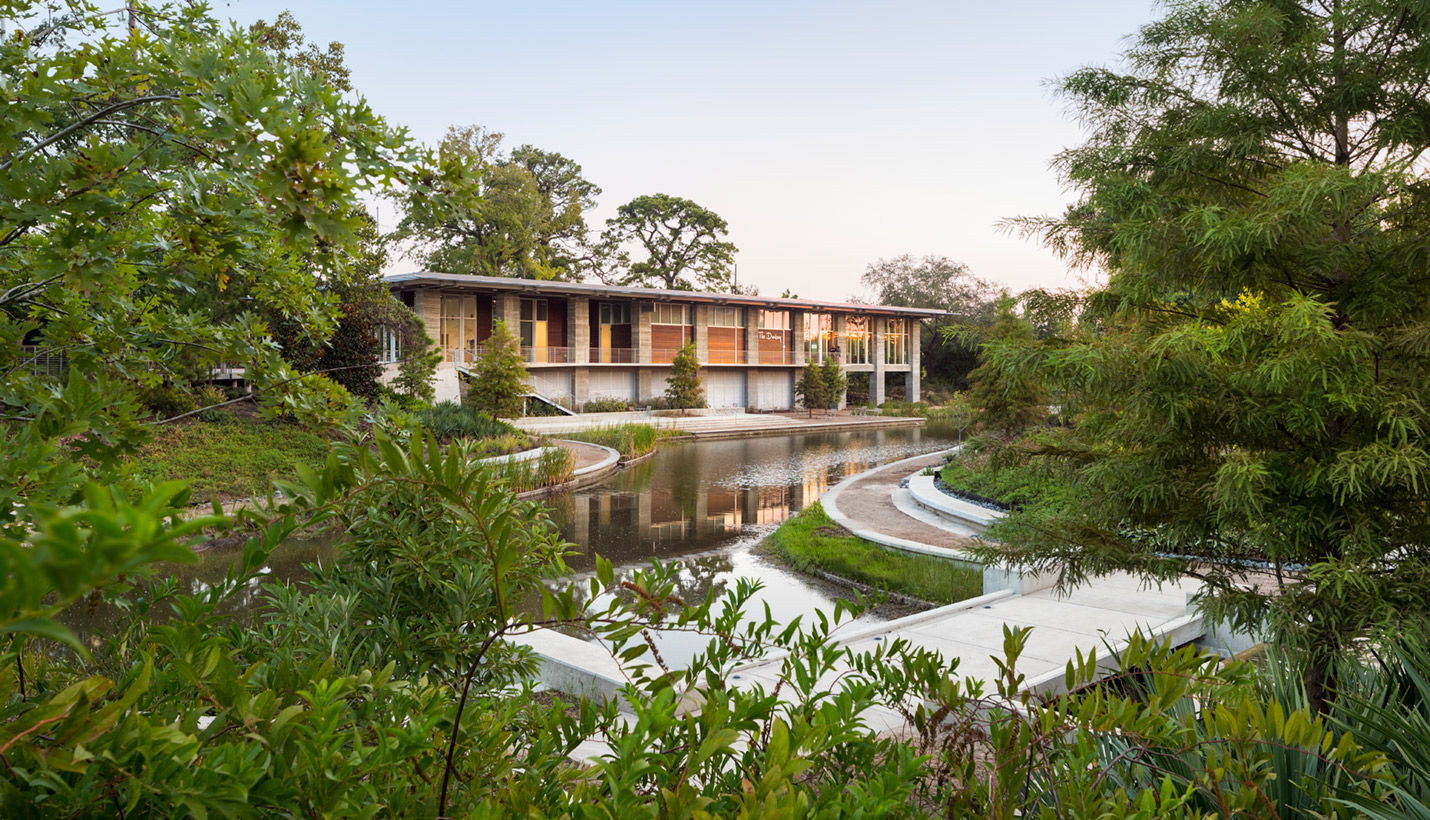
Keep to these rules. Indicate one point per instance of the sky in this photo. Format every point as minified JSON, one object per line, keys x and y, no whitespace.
{"x":828,"y":135}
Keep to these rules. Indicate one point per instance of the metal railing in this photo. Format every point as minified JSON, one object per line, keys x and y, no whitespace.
{"x":622,"y":355}
{"x":42,"y":361}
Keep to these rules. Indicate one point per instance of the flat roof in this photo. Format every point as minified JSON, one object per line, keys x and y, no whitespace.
{"x":504,"y":284}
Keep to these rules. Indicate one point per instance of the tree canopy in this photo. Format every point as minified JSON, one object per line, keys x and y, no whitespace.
{"x":1253,"y":379}
{"x":521,"y":215}
{"x":665,"y":241}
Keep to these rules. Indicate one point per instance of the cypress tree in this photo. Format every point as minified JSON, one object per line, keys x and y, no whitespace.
{"x":499,"y":375}
{"x":684,"y":388}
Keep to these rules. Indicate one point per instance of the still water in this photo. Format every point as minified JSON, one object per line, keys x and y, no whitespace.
{"x":707,"y":504}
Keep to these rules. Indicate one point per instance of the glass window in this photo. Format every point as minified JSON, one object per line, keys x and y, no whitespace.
{"x":856,"y":340}
{"x":820,"y":339}
{"x":615,"y":313}
{"x":896,"y":341}
{"x":668,"y":314}
{"x":774,"y":320}
{"x":727,"y":317}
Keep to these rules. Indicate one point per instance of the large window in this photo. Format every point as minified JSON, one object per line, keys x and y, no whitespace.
{"x":820,"y":339}
{"x":896,"y":341}
{"x":459,"y":328}
{"x":776,"y":346}
{"x":774,"y":320}
{"x":856,"y":340}
{"x":668,"y":314}
{"x":727,"y":317}
{"x":615,"y":313}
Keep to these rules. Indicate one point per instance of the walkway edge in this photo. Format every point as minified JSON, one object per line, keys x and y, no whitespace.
{"x":830,"y":501}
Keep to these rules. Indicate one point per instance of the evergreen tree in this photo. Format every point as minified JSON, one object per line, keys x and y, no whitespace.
{"x":1254,"y":380}
{"x":1008,"y":400}
{"x":834,"y":382}
{"x":683,"y":388}
{"x":498,"y":380}
{"x":810,"y":387}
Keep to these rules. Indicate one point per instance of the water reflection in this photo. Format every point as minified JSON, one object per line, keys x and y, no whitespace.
{"x":701,"y":496}
{"x":706,"y":503}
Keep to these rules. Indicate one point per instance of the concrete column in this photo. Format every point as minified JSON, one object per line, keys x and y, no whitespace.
{"x":580,"y":519}
{"x":915,"y":375}
{"x":702,"y":333}
{"x":752,"y":335}
{"x":641,"y":321}
{"x":796,"y":330}
{"x":427,"y":304}
{"x":578,"y":329}
{"x":506,"y":307}
{"x":876,"y":379}
{"x":645,"y":384}
{"x":580,"y":386}
{"x":754,"y":390}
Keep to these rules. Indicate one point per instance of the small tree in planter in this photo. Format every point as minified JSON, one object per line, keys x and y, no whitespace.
{"x":835,"y":383}
{"x":498,"y":376}
{"x":683,"y":388}
{"x":810,"y":388}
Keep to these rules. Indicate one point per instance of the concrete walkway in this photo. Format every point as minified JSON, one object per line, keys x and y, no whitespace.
{"x":866,"y":505}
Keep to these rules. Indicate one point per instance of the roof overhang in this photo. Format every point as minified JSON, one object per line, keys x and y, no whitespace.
{"x":498,"y":284}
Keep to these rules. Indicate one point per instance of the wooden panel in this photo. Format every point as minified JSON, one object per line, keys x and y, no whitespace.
{"x":775,"y":346}
{"x":484,"y":318}
{"x":726,"y":345}
{"x":665,"y":340}
{"x":620,"y":336}
{"x":556,"y":322}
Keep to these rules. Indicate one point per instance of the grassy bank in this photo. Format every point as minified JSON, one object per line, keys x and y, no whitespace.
{"x":812,"y":541}
{"x":630,"y":440}
{"x":233,"y":458}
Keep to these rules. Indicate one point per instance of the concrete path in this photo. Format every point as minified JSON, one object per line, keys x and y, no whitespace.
{"x":866,"y":504}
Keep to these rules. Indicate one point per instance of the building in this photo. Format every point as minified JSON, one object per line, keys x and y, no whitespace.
{"x":586,"y":341}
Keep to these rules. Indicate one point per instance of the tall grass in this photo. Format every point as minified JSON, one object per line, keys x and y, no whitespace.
{"x":554,"y":466}
{"x":811,"y":540}
{"x":630,"y":440}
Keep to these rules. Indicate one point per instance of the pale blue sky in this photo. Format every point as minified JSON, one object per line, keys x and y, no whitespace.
{"x":828,"y":135}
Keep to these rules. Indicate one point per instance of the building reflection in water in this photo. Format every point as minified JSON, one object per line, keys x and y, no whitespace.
{"x":695,"y":497}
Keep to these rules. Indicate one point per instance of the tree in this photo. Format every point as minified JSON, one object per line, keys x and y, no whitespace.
{"x":834,"y":383}
{"x":498,"y":382}
{"x":679,"y":246}
{"x":683,"y":388}
{"x":524,"y":216}
{"x":1008,"y":400}
{"x":810,"y":388}
{"x":939,"y":283}
{"x":1253,"y":380}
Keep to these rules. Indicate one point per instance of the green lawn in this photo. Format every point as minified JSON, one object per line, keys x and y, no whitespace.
{"x":234,"y":458}
{"x":811,"y":540}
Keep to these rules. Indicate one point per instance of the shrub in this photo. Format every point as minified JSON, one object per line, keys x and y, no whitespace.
{"x":605,"y":405}
{"x":498,"y":379}
{"x":208,"y":395}
{"x":166,"y":401}
{"x":683,"y":388}
{"x":448,"y":420}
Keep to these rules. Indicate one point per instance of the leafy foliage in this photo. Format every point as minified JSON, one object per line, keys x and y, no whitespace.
{"x":1008,"y":400}
{"x":522,"y":216}
{"x":498,"y":380}
{"x":683,"y":387}
{"x":1252,"y":381}
{"x":678,"y":245}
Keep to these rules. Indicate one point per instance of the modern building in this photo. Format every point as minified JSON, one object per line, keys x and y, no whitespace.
{"x":587,"y":341}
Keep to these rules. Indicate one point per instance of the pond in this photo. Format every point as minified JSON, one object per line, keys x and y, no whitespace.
{"x":707,"y":504}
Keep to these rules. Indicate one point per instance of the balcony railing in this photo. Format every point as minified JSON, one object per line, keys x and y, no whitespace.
{"x":621,"y":355}
{"x":612,"y":355}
